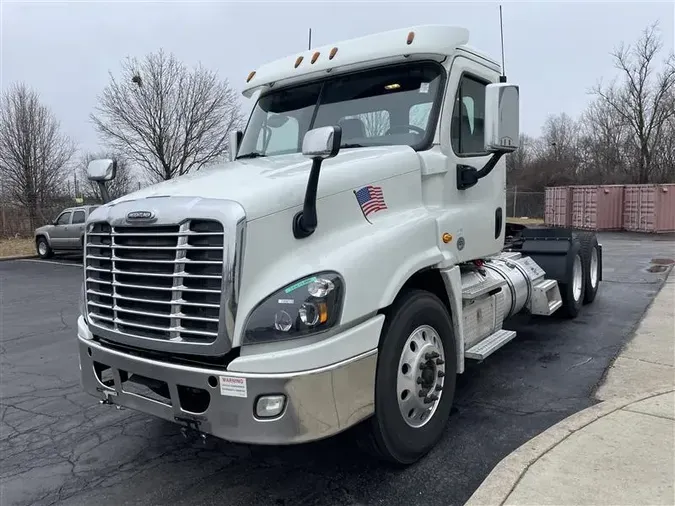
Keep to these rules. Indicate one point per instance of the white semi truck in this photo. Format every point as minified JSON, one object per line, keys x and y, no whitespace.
{"x":344,"y":265}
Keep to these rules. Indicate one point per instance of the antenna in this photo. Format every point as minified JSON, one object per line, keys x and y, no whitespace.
{"x":502,"y":78}
{"x":309,"y":43}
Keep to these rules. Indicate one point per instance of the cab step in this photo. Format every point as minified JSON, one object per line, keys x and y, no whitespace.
{"x":490,"y":344}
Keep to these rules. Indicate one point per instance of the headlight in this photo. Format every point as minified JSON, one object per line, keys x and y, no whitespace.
{"x":307,"y":306}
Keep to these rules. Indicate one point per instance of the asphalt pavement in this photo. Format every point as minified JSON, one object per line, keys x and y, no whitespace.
{"x":59,"y":446}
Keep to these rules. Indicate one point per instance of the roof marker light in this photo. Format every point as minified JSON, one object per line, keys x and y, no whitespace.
{"x":250,"y":76}
{"x":411,"y":37}
{"x":332,"y":54}
{"x":315,"y":57}
{"x":298,"y":61}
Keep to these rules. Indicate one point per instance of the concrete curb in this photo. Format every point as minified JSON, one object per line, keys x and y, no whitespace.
{"x":17,"y":257}
{"x":504,"y":478}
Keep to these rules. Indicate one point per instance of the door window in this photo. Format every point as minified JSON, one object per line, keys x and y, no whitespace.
{"x":468,"y":118}
{"x":78,"y":217}
{"x":64,"y":219}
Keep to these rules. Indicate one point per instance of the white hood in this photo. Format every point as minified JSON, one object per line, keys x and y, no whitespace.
{"x":268,"y":185}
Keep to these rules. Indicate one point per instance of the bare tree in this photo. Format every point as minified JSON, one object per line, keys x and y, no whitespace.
{"x":34,"y":153}
{"x":123,"y":183}
{"x":644,"y":101}
{"x":166,"y":118}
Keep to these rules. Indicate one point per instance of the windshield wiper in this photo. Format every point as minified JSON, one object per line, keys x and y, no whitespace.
{"x":253,"y":154}
{"x":352,"y":146}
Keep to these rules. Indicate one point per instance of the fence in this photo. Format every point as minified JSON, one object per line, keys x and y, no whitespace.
{"x":525,"y":204}
{"x":15,"y":220}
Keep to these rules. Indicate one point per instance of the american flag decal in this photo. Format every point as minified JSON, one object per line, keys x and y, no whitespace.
{"x":371,"y":199}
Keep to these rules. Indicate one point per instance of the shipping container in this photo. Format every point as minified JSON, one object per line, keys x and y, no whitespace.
{"x":558,"y":208}
{"x":649,"y":208}
{"x":597,"y":207}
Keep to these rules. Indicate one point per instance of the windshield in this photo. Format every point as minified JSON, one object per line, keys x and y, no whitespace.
{"x":384,"y":106}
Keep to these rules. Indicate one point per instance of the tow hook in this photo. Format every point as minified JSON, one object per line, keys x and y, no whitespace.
{"x":107,"y":400}
{"x":190,"y":429}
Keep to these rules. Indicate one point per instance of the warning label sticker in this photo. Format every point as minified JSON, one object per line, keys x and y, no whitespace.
{"x":232,"y":386}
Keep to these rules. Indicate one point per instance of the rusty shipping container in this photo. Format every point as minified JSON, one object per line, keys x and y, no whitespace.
{"x":649,"y":208}
{"x":597,"y":207}
{"x":557,"y":207}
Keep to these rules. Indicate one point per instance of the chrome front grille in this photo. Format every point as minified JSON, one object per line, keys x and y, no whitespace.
{"x":156,"y":282}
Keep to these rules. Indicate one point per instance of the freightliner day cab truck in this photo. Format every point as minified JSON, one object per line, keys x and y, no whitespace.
{"x":341,"y":268}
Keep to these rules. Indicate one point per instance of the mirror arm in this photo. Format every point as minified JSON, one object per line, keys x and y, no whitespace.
{"x":305,"y":221}
{"x":468,"y":176}
{"x":104,"y":191}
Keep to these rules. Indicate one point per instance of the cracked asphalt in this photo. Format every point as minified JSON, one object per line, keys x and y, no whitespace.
{"x":59,"y":446}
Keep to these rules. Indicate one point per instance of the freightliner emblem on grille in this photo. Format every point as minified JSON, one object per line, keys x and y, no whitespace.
{"x":140,"y":216}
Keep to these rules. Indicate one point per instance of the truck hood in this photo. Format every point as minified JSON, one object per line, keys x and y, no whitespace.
{"x":265,"y":186}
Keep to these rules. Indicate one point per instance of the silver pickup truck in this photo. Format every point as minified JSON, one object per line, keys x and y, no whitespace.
{"x":65,"y":233}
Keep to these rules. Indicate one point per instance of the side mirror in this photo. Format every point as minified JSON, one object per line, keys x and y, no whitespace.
{"x":102,"y":170}
{"x":502,"y":122}
{"x":234,"y":142}
{"x":322,"y":143}
{"x":318,"y":144}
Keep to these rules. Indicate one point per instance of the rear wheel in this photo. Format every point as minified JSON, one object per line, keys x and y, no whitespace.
{"x":415,"y":381}
{"x":572,"y":290}
{"x":43,"y":248}
{"x":590,"y":253}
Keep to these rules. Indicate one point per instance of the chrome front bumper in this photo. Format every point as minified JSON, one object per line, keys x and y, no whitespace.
{"x":319,"y":402}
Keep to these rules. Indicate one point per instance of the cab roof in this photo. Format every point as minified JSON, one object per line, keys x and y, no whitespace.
{"x":385,"y":47}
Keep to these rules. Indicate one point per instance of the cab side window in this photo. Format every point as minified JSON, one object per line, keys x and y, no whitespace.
{"x":78,"y":217}
{"x":64,"y":219}
{"x":468,"y":118}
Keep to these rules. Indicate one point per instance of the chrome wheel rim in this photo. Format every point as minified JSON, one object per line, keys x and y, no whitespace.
{"x":577,"y":278}
{"x":421,"y":369}
{"x":594,"y":267}
{"x":42,"y":248}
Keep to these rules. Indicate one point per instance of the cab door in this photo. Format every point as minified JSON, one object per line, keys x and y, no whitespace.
{"x":76,"y":229}
{"x":60,"y":231}
{"x":476,"y":214}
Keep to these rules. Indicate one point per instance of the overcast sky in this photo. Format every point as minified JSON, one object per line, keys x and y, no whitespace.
{"x":556,"y":51}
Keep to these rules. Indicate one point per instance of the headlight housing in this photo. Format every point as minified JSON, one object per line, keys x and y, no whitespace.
{"x":307,"y":306}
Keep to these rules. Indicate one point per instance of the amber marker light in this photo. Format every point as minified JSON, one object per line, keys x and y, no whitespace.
{"x":250,"y":76}
{"x":447,"y":238}
{"x":323,"y":312}
{"x":332,"y":53}
{"x":298,"y":61}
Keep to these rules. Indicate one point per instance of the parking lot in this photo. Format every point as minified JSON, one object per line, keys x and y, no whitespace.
{"x":59,"y":446}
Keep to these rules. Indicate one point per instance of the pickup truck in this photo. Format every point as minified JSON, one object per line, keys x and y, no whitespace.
{"x":65,"y":233}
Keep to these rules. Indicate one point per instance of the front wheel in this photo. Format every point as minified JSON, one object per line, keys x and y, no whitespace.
{"x":415,"y":381}
{"x":43,"y":248}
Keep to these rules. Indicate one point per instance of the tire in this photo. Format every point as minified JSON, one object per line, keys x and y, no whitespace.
{"x":572,"y":290}
{"x":590,"y":253}
{"x":417,"y":317}
{"x":42,"y":247}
